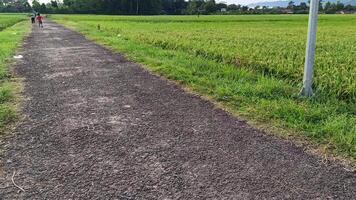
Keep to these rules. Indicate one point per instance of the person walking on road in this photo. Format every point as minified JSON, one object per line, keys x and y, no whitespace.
{"x":33,"y":18}
{"x":40,"y":20}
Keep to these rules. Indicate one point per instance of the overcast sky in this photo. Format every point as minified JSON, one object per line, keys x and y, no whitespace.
{"x":227,"y":1}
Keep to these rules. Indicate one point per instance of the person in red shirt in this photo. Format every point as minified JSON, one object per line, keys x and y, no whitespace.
{"x":40,"y":20}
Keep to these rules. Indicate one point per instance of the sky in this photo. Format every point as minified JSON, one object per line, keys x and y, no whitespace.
{"x":227,"y":1}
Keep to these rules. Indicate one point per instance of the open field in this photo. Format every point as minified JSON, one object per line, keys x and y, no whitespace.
{"x":12,"y":31}
{"x":7,"y":20}
{"x":269,"y":44}
{"x":251,"y":64}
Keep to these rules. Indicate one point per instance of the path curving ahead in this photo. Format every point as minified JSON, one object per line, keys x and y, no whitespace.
{"x":100,"y":127}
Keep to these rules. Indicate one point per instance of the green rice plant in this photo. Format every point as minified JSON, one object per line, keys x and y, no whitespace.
{"x":273,"y":45}
{"x":7,"y":20}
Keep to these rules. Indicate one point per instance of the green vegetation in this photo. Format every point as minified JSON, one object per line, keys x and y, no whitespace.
{"x":11,"y":6}
{"x":251,"y":64}
{"x":12,"y":31}
{"x":7,"y":20}
{"x":271,"y":45}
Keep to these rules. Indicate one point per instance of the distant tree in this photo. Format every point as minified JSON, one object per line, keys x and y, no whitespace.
{"x":327,"y":6}
{"x":68,"y":3}
{"x":221,"y":6}
{"x":14,"y":6}
{"x":291,"y":5}
{"x":193,"y":6}
{"x":348,"y":7}
{"x":244,"y":8}
{"x":332,"y":8}
{"x":321,"y":7}
{"x":339,"y":6}
{"x":210,"y":7}
{"x":43,"y":8}
{"x":233,"y":7}
{"x":36,"y":5}
{"x":180,"y":6}
{"x":168,"y":6}
{"x":54,"y":4}
{"x":303,"y":6}
{"x":22,"y":5}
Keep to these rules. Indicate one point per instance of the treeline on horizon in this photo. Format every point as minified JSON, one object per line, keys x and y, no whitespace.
{"x":160,"y":7}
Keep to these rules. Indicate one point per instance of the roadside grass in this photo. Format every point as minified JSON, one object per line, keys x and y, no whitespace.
{"x":10,"y":38}
{"x":263,"y":99}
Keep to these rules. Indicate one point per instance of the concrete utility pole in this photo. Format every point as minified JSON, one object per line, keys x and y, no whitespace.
{"x":307,"y":89}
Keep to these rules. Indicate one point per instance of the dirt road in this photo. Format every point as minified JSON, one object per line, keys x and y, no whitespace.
{"x":100,"y":127}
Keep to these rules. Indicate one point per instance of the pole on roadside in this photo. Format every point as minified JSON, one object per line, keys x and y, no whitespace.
{"x":307,"y":89}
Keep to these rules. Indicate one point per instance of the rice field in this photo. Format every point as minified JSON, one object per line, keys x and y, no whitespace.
{"x":252,"y":65}
{"x":7,"y":20}
{"x":271,"y":45}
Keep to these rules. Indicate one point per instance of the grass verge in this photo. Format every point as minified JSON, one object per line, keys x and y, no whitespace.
{"x":270,"y":102}
{"x":10,"y":38}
